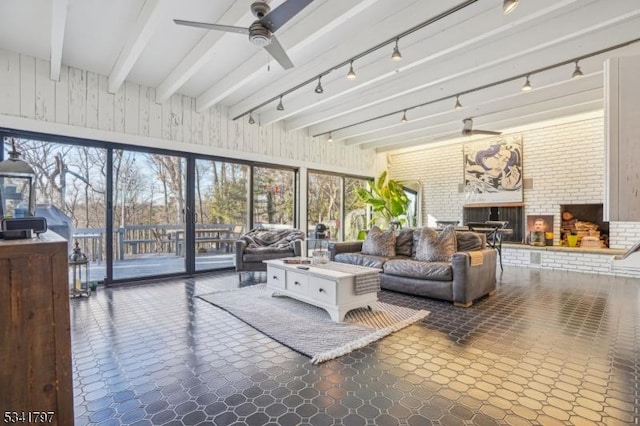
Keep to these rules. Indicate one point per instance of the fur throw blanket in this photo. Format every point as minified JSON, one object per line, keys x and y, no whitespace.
{"x":281,"y":238}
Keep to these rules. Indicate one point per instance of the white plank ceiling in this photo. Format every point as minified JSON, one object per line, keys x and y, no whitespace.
{"x":468,"y":48}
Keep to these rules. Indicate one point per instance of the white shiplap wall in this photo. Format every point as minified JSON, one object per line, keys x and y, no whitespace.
{"x":79,"y":105}
{"x":565,"y":162}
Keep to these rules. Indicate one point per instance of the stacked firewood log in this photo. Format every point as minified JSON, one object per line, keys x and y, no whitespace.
{"x":572,"y":226}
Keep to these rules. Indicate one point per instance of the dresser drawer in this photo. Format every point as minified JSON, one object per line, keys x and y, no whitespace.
{"x":276,"y":277}
{"x":297,"y":282}
{"x":322,"y":290}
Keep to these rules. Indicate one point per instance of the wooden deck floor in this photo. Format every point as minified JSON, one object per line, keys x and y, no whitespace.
{"x":152,"y":264}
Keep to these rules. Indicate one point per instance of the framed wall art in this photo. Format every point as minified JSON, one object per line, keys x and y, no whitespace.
{"x":493,"y":171}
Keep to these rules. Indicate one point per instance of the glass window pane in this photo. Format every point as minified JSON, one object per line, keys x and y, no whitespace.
{"x":412,"y":210}
{"x":355,"y":210}
{"x":273,"y":198}
{"x":221,"y":207}
{"x":324,"y":201}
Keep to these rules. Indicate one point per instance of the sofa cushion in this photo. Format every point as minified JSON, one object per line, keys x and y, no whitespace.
{"x":435,"y":271}
{"x":404,"y":242}
{"x":436,"y":247}
{"x":469,"y":241}
{"x":361,"y":259}
{"x":380,"y":243}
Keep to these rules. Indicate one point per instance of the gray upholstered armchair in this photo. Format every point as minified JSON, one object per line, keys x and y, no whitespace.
{"x":259,"y":244}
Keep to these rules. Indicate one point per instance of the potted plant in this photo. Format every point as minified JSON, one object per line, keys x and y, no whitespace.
{"x":387,"y":199}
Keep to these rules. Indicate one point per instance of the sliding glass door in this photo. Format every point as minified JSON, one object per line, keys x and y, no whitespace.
{"x":140,"y":213}
{"x":149,"y":208}
{"x":221,"y":211}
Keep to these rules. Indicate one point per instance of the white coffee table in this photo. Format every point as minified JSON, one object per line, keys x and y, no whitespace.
{"x":333,"y":291}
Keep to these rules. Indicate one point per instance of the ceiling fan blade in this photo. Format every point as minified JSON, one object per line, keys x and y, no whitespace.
{"x":206,"y":26}
{"x":275,"y":49}
{"x":484,"y":132}
{"x":281,"y":14}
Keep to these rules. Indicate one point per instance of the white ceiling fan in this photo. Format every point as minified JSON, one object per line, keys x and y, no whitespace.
{"x":261,"y":31}
{"x":467,"y":129}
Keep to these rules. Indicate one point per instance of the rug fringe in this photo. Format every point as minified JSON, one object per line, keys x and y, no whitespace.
{"x":364,"y":341}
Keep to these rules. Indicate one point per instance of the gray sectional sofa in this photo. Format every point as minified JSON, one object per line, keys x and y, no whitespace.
{"x":469,"y":273}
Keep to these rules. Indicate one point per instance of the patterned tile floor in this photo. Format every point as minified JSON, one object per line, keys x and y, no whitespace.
{"x":550,"y":348}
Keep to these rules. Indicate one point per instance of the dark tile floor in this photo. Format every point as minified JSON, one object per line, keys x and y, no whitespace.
{"x":550,"y":348}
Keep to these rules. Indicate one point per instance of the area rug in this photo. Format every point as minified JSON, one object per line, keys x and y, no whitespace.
{"x":307,"y":329}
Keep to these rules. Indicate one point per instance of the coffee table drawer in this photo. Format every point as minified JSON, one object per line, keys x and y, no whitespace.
{"x":297,"y":282}
{"x":276,"y":277}
{"x":322,"y":290}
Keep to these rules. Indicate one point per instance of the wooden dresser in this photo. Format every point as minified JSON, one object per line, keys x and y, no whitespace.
{"x":35,"y":340}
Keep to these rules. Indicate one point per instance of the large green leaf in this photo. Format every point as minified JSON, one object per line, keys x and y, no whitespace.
{"x":386,"y":197}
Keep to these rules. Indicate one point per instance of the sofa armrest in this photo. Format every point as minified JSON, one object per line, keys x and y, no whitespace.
{"x":240,"y":245}
{"x":474,"y":275}
{"x":344,"y":247}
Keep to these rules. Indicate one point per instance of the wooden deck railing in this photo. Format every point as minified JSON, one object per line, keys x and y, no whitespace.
{"x":134,"y":240}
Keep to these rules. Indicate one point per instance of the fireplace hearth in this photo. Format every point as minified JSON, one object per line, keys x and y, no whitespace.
{"x":585,"y":222}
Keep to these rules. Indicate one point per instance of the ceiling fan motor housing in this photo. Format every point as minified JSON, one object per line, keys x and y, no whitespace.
{"x":259,"y":35}
{"x":260,"y":9}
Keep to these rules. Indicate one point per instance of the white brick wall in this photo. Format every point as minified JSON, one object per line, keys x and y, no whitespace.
{"x":566,"y":165}
{"x":566,"y":260}
{"x":439,"y":171}
{"x":565,"y":162}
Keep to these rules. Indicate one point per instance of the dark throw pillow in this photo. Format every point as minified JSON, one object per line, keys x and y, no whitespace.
{"x":436,"y":247}
{"x":404,"y":242}
{"x":468,"y":241}
{"x":380,"y":243}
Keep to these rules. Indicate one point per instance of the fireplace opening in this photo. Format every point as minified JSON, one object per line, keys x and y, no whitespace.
{"x":582,"y":226}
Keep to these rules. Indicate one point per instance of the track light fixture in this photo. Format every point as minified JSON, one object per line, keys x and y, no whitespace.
{"x":319,"y":88}
{"x":396,"y":55}
{"x":330,"y":138}
{"x":458,"y":105}
{"x":527,"y":85}
{"x":508,"y":6}
{"x":404,"y":117}
{"x":577,"y":72}
{"x":251,"y":120}
{"x":351,"y":75}
{"x":280,"y":107}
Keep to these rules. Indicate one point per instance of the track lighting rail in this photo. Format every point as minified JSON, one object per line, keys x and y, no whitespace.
{"x":488,"y":85}
{"x":360,"y":55}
